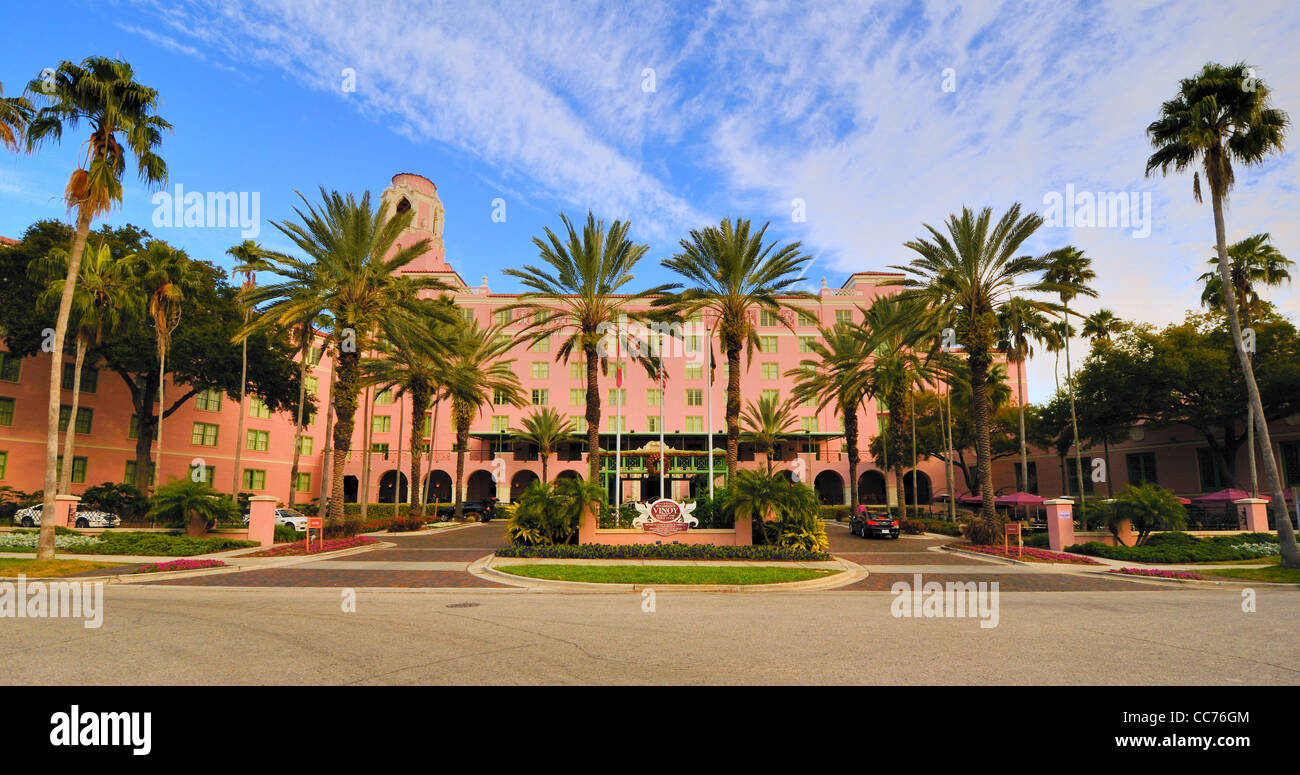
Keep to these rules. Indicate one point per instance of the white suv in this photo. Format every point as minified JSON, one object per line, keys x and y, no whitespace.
{"x":288,"y":517}
{"x":31,"y":517}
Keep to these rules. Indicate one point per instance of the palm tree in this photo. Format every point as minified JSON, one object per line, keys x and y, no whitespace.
{"x":353,"y":274}
{"x":1101,"y":325}
{"x":770,"y":498}
{"x":735,"y":275}
{"x":248,"y":253}
{"x":545,"y":429}
{"x":1021,"y":322}
{"x":1221,"y":116}
{"x":766,"y":423}
{"x":104,"y":93}
{"x":15,"y":112}
{"x":965,"y":276}
{"x":193,"y":503}
{"x":578,"y":296}
{"x":1071,"y":270}
{"x":475,"y":374}
{"x":102,"y":301}
{"x":832,"y":377}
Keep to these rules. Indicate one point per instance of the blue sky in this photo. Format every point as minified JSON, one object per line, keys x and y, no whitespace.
{"x":878,"y":117}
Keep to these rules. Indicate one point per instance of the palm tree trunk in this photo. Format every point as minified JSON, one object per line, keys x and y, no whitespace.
{"x":916,"y":491}
{"x":162,"y":404}
{"x":239,"y":432}
{"x":947,"y":468}
{"x":433,"y":438}
{"x":979,"y":360}
{"x":545,"y":480}
{"x":1110,"y":480}
{"x":733,"y":407}
{"x":69,"y":436}
{"x":397,"y":463}
{"x":45,"y":542}
{"x":1074,"y":424}
{"x":367,"y":436}
{"x":419,"y":405}
{"x":302,"y":399}
{"x":344,"y":398}
{"x":1024,"y":448}
{"x":462,"y":443}
{"x":1285,"y":534}
{"x":593,"y":414}
{"x":851,"y":439}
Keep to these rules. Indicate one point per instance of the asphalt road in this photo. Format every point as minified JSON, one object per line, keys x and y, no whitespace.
{"x":155,"y":635}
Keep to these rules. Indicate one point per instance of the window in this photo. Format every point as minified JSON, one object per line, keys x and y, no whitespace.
{"x":843,"y":317}
{"x":579,"y":423}
{"x":4,"y":463}
{"x":808,"y":424}
{"x":693,"y":371}
{"x":312,"y":385}
{"x":542,"y":345}
{"x":89,"y":377}
{"x":133,"y":430}
{"x":10,"y":367}
{"x":577,"y":370}
{"x":577,"y":397}
{"x":501,"y":317}
{"x":128,"y":475}
{"x":303,"y":484}
{"x":811,"y":448}
{"x":1033,"y":477}
{"x":1141,"y":468}
{"x":254,"y":479}
{"x":313,"y":356}
{"x":812,"y":401}
{"x":1210,"y":479}
{"x":767,"y":344}
{"x":206,"y":474}
{"x":85,"y":418}
{"x":770,"y":371}
{"x":1291,"y":463}
{"x":204,"y":434}
{"x":308,"y":417}
{"x":208,"y":400}
{"x":258,"y":441}
{"x":6,"y":411}
{"x":500,"y":397}
{"x":618,"y":396}
{"x":807,"y":319}
{"x":258,"y":408}
{"x":381,"y":423}
{"x":694,"y":397}
{"x":806,"y":343}
{"x":541,"y":370}
{"x":469,"y":315}
{"x":616,"y":424}
{"x":1072,"y":475}
{"x":769,"y":317}
{"x":78,"y":469}
{"x":654,"y":397}
{"x":541,"y":396}
{"x":652,"y":424}
{"x":500,"y":423}
{"x":695,"y":424}
{"x":305,"y":445}
{"x":384,"y":397}
{"x":694,"y":344}
{"x":771,"y":395}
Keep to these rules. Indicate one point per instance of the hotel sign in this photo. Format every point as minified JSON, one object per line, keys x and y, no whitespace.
{"x":664,"y":517}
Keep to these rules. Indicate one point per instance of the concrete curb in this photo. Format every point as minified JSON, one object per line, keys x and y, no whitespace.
{"x":484,"y":568}
{"x":1194,"y":582}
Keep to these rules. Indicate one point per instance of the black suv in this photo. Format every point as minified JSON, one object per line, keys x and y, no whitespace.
{"x":869,"y":525}
{"x":485,"y":510}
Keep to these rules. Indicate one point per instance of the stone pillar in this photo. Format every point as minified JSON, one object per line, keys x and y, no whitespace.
{"x":65,"y":510}
{"x":1252,"y":514}
{"x":587,"y":524}
{"x":261,"y":519}
{"x":1060,"y":523}
{"x":744,"y":532}
{"x":503,"y":491}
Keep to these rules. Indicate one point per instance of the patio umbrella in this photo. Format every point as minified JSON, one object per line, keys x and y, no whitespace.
{"x":969,"y":499}
{"x":1223,"y":496}
{"x":1018,"y":499}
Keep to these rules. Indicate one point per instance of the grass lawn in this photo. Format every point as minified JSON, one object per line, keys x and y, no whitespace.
{"x":1273,"y":573}
{"x":10,"y":567}
{"x":666,"y":574}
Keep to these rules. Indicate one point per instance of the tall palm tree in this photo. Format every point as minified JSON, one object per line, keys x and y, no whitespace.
{"x":102,"y":302}
{"x":121,"y":114}
{"x":578,"y":296}
{"x":1220,"y":117}
{"x":15,"y":112}
{"x":1021,"y":322}
{"x":832,"y":377}
{"x":353,"y":273}
{"x":475,"y":374}
{"x":1101,"y":325}
{"x":249,"y":255}
{"x":734,"y":275}
{"x":546,"y":429}
{"x":767,"y":423}
{"x":1071,"y":270}
{"x":965,"y":275}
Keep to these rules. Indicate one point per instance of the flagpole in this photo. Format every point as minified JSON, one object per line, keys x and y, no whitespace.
{"x":708,"y":371}
{"x":663,"y":390}
{"x":618,"y":416}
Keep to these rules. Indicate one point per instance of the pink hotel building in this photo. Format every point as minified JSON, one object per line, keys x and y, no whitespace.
{"x":204,"y":431}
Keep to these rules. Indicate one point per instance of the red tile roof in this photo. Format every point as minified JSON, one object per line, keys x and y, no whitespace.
{"x":8,"y":241}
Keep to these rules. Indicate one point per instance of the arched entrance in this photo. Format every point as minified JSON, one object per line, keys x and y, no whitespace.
{"x":871,"y":488}
{"x":569,"y":474}
{"x":921,"y":487}
{"x":480,"y":486}
{"x":437,"y":487}
{"x":787,"y":474}
{"x":388,"y":486}
{"x":350,"y":487}
{"x":830,"y":488}
{"x":521,"y":481}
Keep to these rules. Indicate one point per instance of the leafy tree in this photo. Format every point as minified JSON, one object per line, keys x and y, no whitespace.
{"x":1101,"y":325}
{"x":125,"y":500}
{"x":193,"y":504}
{"x":1221,"y":117}
{"x":1148,"y":508}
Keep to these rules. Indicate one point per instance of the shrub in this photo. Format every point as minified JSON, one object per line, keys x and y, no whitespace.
{"x":1175,"y":547}
{"x":712,"y":512}
{"x":913,"y":527}
{"x":284,"y":534}
{"x":193,"y":505}
{"x":125,"y":500}
{"x":668,"y":551}
{"x":548,"y":514}
{"x":405,"y":524}
{"x":1149,"y":508}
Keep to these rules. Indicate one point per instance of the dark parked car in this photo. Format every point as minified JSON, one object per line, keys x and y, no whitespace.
{"x":870,"y":525}
{"x":485,"y":510}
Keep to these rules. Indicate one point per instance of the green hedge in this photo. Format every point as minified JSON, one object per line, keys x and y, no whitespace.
{"x":1178,"y":547}
{"x":662,"y":552}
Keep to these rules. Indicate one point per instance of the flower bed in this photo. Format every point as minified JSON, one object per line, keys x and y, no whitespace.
{"x":300,"y":547}
{"x":1178,"y":547}
{"x":149,"y":544}
{"x":163,"y":567}
{"x":663,"y":552}
{"x":1029,"y":554}
{"x":1157,"y":573}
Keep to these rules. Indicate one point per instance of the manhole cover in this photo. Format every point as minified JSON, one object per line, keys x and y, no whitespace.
{"x":462,"y":605}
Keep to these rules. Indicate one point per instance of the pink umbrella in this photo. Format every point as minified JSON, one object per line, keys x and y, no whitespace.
{"x":1184,"y":501}
{"x":1224,"y":496}
{"x":968,"y":499}
{"x":1018,"y":499}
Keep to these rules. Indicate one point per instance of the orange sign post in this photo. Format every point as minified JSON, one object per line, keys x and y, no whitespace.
{"x":317,"y":524}
{"x":1012,"y":529}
